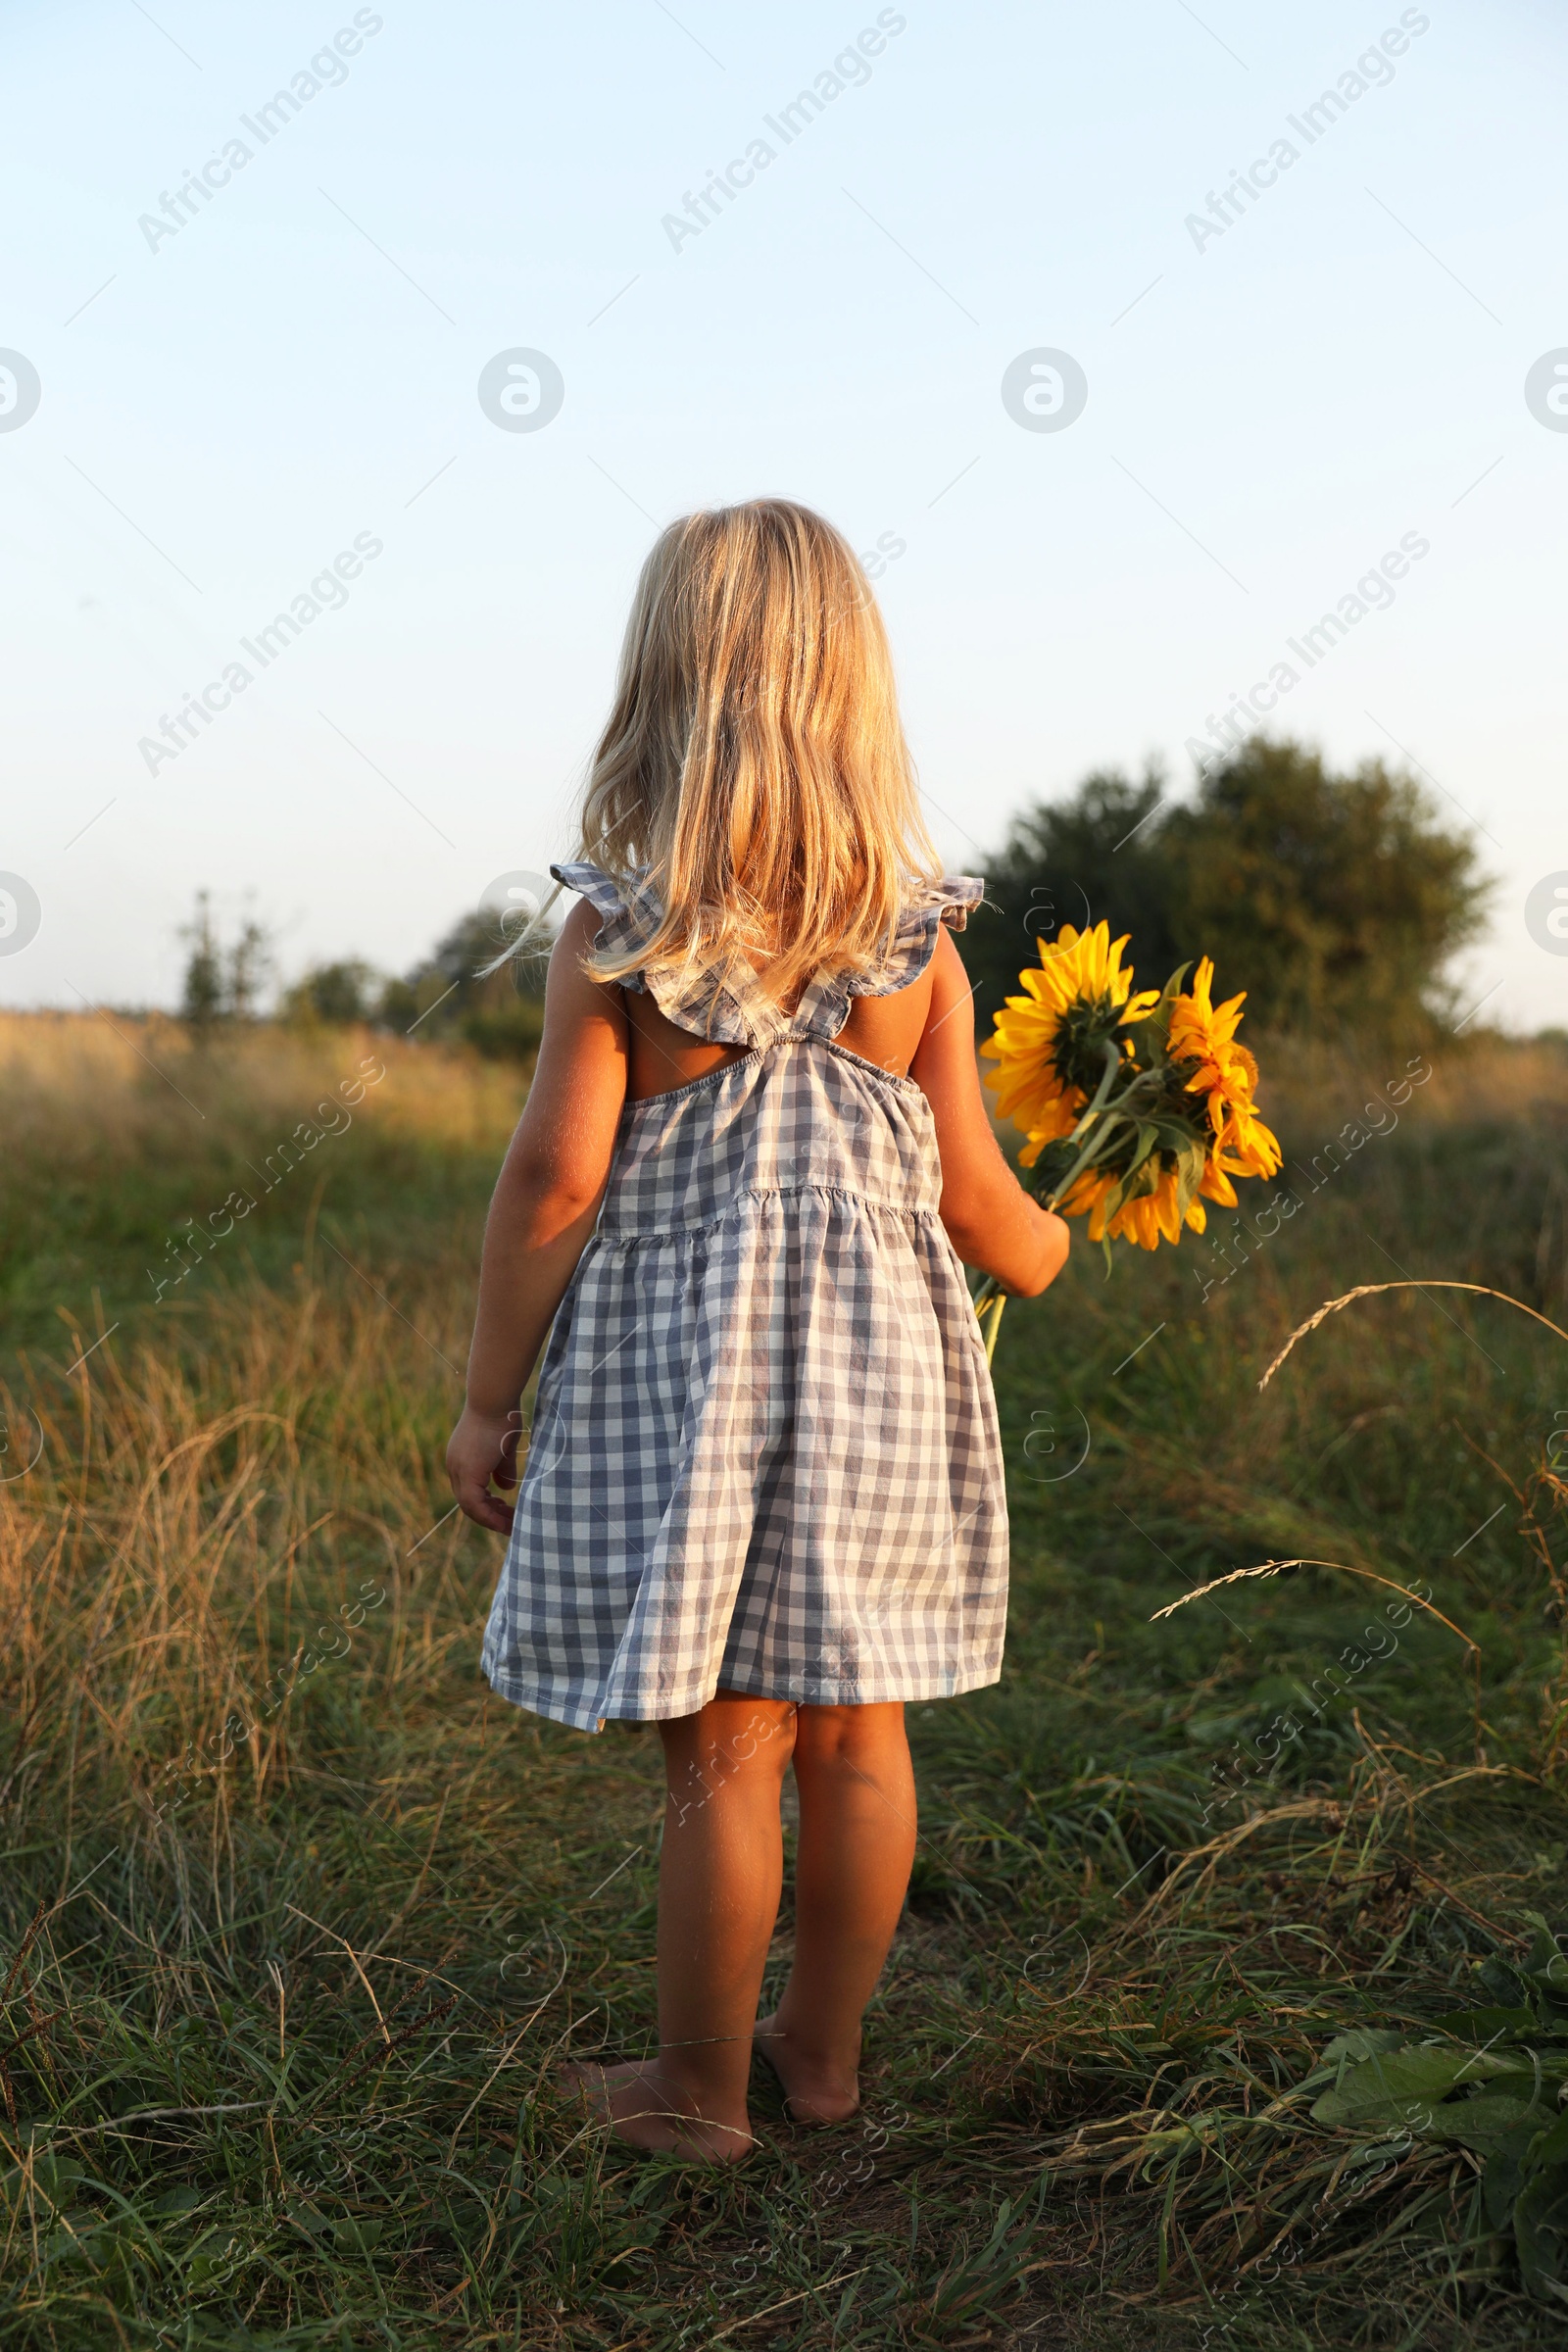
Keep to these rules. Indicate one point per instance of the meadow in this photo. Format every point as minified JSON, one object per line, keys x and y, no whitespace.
{"x":297,"y":1922}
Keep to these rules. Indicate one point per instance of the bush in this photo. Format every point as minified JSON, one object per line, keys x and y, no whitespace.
{"x":332,"y":995}
{"x":1335,"y":900}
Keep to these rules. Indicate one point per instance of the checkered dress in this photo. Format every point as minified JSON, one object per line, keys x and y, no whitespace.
{"x":765,"y":1452}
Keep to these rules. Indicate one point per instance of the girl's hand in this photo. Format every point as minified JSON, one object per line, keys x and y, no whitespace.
{"x":484,"y":1446}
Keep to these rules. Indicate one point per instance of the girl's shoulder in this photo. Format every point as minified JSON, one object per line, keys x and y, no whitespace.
{"x":714,"y":1008}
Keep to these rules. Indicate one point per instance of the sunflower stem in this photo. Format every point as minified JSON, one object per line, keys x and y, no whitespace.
{"x":988,"y":1300}
{"x":1095,"y":1142}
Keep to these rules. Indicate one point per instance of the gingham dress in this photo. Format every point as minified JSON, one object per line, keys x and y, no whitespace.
{"x":765,"y":1452}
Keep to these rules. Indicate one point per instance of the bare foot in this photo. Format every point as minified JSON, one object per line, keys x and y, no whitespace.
{"x":816,"y":2091}
{"x":647,"y":2111}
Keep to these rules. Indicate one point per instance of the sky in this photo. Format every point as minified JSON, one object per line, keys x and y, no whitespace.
{"x":451,"y":328}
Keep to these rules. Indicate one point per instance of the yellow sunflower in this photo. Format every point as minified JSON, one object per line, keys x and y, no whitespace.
{"x":1086,"y":1196}
{"x":1202,"y":1033}
{"x":1081,"y":968}
{"x":1149,"y":1219}
{"x":1215,"y":1184}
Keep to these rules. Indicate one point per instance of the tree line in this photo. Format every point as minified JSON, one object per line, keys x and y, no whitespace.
{"x":1338,"y":902}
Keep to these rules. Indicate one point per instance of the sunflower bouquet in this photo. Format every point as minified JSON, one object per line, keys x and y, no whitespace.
{"x":1138,"y":1106}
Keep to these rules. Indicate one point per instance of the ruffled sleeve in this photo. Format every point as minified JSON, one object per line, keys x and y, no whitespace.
{"x":623,"y":914}
{"x":947,"y":901}
{"x":740,"y":1014}
{"x":629,"y":915}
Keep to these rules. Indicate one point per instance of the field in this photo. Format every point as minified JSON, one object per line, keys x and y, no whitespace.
{"x":297,"y":1921}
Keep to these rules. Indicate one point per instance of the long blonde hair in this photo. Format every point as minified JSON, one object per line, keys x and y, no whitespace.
{"x":753,"y":774}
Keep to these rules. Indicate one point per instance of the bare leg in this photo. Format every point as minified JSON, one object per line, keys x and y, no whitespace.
{"x":857,"y":1845}
{"x":718,"y":1888}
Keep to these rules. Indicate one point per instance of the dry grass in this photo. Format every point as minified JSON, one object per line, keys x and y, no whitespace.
{"x":79,"y":1086}
{"x":1480,"y":1077}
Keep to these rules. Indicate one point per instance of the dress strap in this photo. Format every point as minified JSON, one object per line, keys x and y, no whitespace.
{"x":733,"y":1009}
{"x":825,"y":1006}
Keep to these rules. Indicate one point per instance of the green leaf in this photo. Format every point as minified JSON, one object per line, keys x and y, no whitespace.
{"x":1489,"y":2121}
{"x":1148,"y":1142}
{"x":1505,"y":1984}
{"x":177,"y":2200}
{"x":1487,"y":2025}
{"x":1190,"y":1160}
{"x":1504,"y":2176}
{"x":1540,"y":2234}
{"x":1546,"y":1964}
{"x":1553,"y":2146}
{"x":52,"y":2178}
{"x":1361,"y":2041}
{"x":1404,"y":2087}
{"x":356,"y":2236}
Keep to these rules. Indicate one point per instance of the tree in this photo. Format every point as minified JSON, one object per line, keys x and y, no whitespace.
{"x":202,"y":999}
{"x":453,"y":992}
{"x":222,"y":983}
{"x":1335,"y":900}
{"x":333,"y":994}
{"x":1092,"y":858}
{"x":473,"y":942}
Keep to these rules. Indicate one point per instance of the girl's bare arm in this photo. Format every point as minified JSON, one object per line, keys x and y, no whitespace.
{"x":990,"y":1218}
{"x":543,"y":1211}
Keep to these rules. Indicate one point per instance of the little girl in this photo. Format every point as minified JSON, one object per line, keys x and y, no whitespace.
{"x":764,"y":1500}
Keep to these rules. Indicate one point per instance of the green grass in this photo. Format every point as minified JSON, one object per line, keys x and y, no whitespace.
{"x":280,"y":2027}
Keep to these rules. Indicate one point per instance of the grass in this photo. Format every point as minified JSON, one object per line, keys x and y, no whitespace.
{"x":297,"y":1921}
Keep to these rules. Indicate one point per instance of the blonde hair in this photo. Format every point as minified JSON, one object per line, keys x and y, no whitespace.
{"x":752,"y":775}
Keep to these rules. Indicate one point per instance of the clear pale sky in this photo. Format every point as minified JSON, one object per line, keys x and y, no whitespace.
{"x":1274,"y":402}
